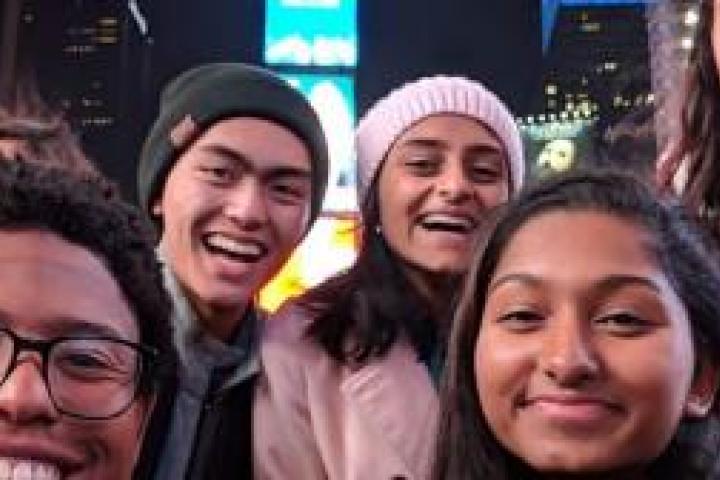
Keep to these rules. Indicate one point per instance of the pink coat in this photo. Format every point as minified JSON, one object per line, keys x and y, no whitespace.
{"x":316,"y":419}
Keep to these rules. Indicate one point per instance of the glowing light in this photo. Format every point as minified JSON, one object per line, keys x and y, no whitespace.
{"x":686,"y":43}
{"x":691,"y":17}
{"x":330,"y":246}
{"x":311,"y":32}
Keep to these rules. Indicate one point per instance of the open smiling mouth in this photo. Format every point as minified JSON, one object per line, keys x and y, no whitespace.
{"x":247,"y":251}
{"x":17,"y":469}
{"x":461,"y":225}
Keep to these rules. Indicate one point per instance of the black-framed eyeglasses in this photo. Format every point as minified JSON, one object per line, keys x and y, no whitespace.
{"x":87,"y":377}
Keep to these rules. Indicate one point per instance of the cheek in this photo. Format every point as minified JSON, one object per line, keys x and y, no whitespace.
{"x":493,"y":195}
{"x":113,"y":444}
{"x":288,"y":224}
{"x":653,"y":379}
{"x":398,"y":195}
{"x":655,"y":375}
{"x":502,"y":370}
{"x":127,"y":435}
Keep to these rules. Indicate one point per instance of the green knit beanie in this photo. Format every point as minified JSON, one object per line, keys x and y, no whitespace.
{"x":209,"y":93}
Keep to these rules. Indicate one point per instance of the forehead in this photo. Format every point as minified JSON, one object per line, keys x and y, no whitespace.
{"x":261,"y":142}
{"x":51,"y":287}
{"x":451,"y":128}
{"x":579,"y":244}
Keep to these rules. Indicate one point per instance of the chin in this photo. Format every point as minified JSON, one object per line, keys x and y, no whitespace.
{"x":228,"y":299}
{"x":576,"y":464}
{"x":449,"y":269}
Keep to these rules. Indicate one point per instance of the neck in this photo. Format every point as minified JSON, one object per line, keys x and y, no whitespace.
{"x":437,"y":289}
{"x":221,"y":322}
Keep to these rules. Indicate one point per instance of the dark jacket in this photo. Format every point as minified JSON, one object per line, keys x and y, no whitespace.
{"x":201,"y":425}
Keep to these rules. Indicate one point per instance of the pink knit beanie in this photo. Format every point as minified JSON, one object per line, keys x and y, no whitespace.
{"x":414,"y":101}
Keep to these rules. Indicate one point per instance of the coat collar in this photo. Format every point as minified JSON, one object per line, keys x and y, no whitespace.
{"x":395,"y":395}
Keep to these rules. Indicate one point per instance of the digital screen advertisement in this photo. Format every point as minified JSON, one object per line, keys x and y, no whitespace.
{"x":311,"y":32}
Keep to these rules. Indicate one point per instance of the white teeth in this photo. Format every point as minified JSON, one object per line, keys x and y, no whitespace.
{"x":233,"y":246}
{"x":462,"y":222}
{"x":17,"y":469}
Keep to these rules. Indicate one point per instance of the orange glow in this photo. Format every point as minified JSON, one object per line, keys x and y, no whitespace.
{"x":330,"y":246}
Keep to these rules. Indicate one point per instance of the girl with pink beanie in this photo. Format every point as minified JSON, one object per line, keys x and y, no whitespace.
{"x":350,"y":371}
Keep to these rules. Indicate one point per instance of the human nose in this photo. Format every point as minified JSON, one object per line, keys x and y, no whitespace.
{"x":453,"y":183}
{"x":568,"y":356}
{"x":24,"y":396}
{"x":246,"y":205}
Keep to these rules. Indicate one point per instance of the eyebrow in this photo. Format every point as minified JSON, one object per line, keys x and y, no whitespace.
{"x":281,"y":171}
{"x":227,"y":152}
{"x":523,"y":278}
{"x":69,"y":326}
{"x":78,"y":326}
{"x":285,"y":172}
{"x":607,"y":284}
{"x":442,"y":144}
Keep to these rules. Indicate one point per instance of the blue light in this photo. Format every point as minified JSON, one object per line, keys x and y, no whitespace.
{"x":604,"y":3}
{"x":333,"y":97}
{"x":311,"y":32}
{"x":549,"y":12}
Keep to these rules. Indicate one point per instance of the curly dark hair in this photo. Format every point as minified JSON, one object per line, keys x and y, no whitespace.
{"x":84,"y":209}
{"x":699,"y":143}
{"x":467,"y":449}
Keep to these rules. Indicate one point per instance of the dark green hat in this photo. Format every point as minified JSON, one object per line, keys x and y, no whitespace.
{"x":203,"y":95}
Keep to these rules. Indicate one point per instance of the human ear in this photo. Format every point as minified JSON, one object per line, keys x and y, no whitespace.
{"x":704,"y":387}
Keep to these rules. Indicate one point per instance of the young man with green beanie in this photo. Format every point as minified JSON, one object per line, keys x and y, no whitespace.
{"x":233,"y":174}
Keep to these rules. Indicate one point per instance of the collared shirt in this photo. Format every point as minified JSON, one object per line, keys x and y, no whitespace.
{"x":199,"y":355}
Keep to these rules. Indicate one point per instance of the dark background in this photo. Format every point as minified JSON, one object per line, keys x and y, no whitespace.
{"x":495,"y":41}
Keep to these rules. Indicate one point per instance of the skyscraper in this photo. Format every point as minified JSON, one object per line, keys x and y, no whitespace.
{"x":85,"y":57}
{"x":596,"y":70}
{"x":597,"y":60}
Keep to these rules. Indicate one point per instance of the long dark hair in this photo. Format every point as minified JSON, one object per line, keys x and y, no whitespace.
{"x":467,"y":449}
{"x":360,"y":313}
{"x":699,"y":143}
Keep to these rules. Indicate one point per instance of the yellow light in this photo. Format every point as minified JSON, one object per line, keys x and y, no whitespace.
{"x":329,"y":247}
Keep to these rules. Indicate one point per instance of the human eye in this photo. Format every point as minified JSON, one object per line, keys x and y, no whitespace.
{"x":423,"y":164}
{"x":289,"y":191}
{"x":216,"y":171}
{"x":623,"y":323}
{"x":484,"y":171}
{"x":90,"y":360}
{"x":520,"y":319}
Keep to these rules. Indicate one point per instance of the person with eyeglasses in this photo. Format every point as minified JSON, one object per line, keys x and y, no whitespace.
{"x":85,"y":337}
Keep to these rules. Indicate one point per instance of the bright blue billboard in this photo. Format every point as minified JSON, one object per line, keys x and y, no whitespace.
{"x":311,"y":32}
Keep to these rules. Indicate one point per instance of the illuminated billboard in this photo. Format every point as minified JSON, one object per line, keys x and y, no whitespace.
{"x":554,"y":147}
{"x":333,"y":97}
{"x":311,"y":32}
{"x":330,"y":246}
